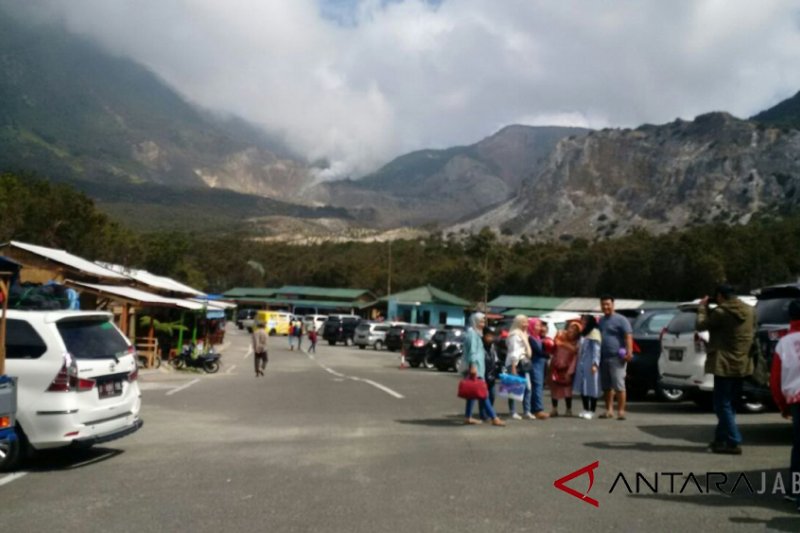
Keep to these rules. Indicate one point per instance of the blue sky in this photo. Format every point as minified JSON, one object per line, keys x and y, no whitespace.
{"x":360,"y":82}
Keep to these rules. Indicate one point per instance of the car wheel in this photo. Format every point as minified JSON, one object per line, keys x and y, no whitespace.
{"x":750,"y":405}
{"x":211,"y":367}
{"x":670,"y":394}
{"x":348,"y":341}
{"x":426,"y":362}
{"x":378,"y":345}
{"x":456,"y":364}
{"x":12,"y":453}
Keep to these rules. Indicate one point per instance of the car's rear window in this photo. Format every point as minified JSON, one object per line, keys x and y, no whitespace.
{"x":92,"y":339}
{"x":363,"y":328}
{"x":773,"y":311}
{"x":683,"y":322}
{"x":440,"y":336}
{"x":653,"y":323}
{"x":22,"y":341}
{"x":395,"y":330}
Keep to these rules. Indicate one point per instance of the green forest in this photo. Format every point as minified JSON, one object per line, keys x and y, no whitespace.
{"x":679,"y":265}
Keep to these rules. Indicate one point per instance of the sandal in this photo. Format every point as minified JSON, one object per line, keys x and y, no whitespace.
{"x":606,"y":415}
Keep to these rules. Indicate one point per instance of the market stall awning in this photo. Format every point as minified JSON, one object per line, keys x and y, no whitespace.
{"x":135,"y":296}
{"x":78,"y":265}
{"x":144,"y":277}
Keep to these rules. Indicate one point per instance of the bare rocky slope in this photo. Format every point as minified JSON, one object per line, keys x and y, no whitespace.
{"x":715,"y":168}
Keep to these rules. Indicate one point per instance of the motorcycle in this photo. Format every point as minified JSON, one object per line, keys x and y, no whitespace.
{"x":192,"y":357}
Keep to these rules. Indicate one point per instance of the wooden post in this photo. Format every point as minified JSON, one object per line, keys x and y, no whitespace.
{"x":123,"y":320}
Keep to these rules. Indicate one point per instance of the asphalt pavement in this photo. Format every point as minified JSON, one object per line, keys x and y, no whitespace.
{"x":345,"y":441}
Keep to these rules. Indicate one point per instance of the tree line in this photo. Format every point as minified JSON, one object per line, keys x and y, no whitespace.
{"x":678,"y":265}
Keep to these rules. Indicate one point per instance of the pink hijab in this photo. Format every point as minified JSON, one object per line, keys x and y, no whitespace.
{"x":533,"y":328}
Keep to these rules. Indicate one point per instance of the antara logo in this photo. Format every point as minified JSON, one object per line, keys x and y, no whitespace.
{"x":588,"y":470}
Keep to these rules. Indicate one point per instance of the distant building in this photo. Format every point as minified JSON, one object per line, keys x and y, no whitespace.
{"x":427,"y":305}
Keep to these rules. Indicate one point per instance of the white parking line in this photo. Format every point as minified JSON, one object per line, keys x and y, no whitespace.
{"x":230,"y":369}
{"x":249,"y":351}
{"x":11,"y":477}
{"x":375,"y":384}
{"x":185,"y":386}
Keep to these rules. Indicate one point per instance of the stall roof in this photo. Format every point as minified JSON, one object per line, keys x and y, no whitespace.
{"x":152,"y":280}
{"x":241,"y":293}
{"x":427,"y":294}
{"x":65,"y":258}
{"x":538,"y":303}
{"x":320,"y":292}
{"x":591,"y":305}
{"x":137,"y":296}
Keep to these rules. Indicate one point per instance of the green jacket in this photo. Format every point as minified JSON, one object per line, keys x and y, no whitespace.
{"x":731,"y":327}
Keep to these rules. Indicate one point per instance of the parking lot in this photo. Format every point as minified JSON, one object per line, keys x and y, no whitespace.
{"x":345,"y":441}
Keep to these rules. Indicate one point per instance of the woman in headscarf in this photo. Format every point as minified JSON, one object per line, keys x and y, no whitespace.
{"x":518,"y":363}
{"x":475,"y":363}
{"x":562,"y":366}
{"x":536,"y":330}
{"x":586,"y":375}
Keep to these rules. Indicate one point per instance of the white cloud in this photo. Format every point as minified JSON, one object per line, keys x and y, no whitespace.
{"x":409,"y":74}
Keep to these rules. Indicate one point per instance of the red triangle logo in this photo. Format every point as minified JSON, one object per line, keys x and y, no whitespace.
{"x":561,"y":484}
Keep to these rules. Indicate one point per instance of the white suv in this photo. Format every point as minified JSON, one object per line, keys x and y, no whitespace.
{"x":76,"y":381}
{"x":683,"y":353}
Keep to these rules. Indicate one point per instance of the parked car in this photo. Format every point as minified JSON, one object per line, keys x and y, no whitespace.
{"x":416,"y":345}
{"x":314,"y":322}
{"x":447,"y":348}
{"x":245,"y":318}
{"x":394,"y":337}
{"x":642,"y":373}
{"x":371,"y":334}
{"x":772,"y":312}
{"x":340,"y":328}
{"x":683,"y":358}
{"x":77,"y":381}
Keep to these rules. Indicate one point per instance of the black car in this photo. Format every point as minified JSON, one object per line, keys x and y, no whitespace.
{"x":447,"y":348}
{"x":642,"y":373}
{"x":416,"y":345}
{"x":772,"y":315}
{"x":394,"y":337}
{"x":340,"y":328}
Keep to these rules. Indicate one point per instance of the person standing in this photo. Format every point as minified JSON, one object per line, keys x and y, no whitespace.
{"x":490,"y":362}
{"x":298,"y":332}
{"x":475,"y":361}
{"x":312,"y":341}
{"x":562,"y":366}
{"x":537,"y":330}
{"x":260,"y":356}
{"x":616,"y":350}
{"x":587,"y":382}
{"x":784,"y":381}
{"x":730,"y":326}
{"x":518,"y":363}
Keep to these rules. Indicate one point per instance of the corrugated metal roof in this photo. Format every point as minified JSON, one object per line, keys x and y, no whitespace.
{"x":324,"y":292}
{"x":427,"y":294}
{"x":138,"y":295}
{"x":249,"y":292}
{"x":539,"y":303}
{"x":152,"y":280}
{"x":70,"y":260}
{"x":592,"y":305}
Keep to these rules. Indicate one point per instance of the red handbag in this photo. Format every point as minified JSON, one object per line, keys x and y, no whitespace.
{"x":472,"y":388}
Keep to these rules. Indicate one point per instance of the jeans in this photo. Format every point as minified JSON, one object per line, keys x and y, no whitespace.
{"x":537,"y":381}
{"x":726,"y":392}
{"x":484,"y":407}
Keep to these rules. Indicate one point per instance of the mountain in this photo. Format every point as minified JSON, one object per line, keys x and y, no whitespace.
{"x":785,"y":114}
{"x":444,"y":186}
{"x":716,"y":168}
{"x":72,"y":112}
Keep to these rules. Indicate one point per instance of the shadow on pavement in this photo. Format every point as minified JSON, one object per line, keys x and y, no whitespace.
{"x":770,"y":434}
{"x":443,"y":421}
{"x":69,"y":459}
{"x":727,"y":499}
{"x":646,"y":447}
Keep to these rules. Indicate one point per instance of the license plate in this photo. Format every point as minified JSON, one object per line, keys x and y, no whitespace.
{"x":675,"y":355}
{"x":109,"y":389}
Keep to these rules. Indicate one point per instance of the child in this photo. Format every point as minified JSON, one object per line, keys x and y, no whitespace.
{"x":312,"y":339}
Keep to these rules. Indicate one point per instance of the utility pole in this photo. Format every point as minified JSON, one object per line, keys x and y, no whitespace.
{"x":389,"y":276}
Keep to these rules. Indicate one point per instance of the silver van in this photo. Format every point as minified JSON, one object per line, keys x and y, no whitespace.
{"x":371,"y":334}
